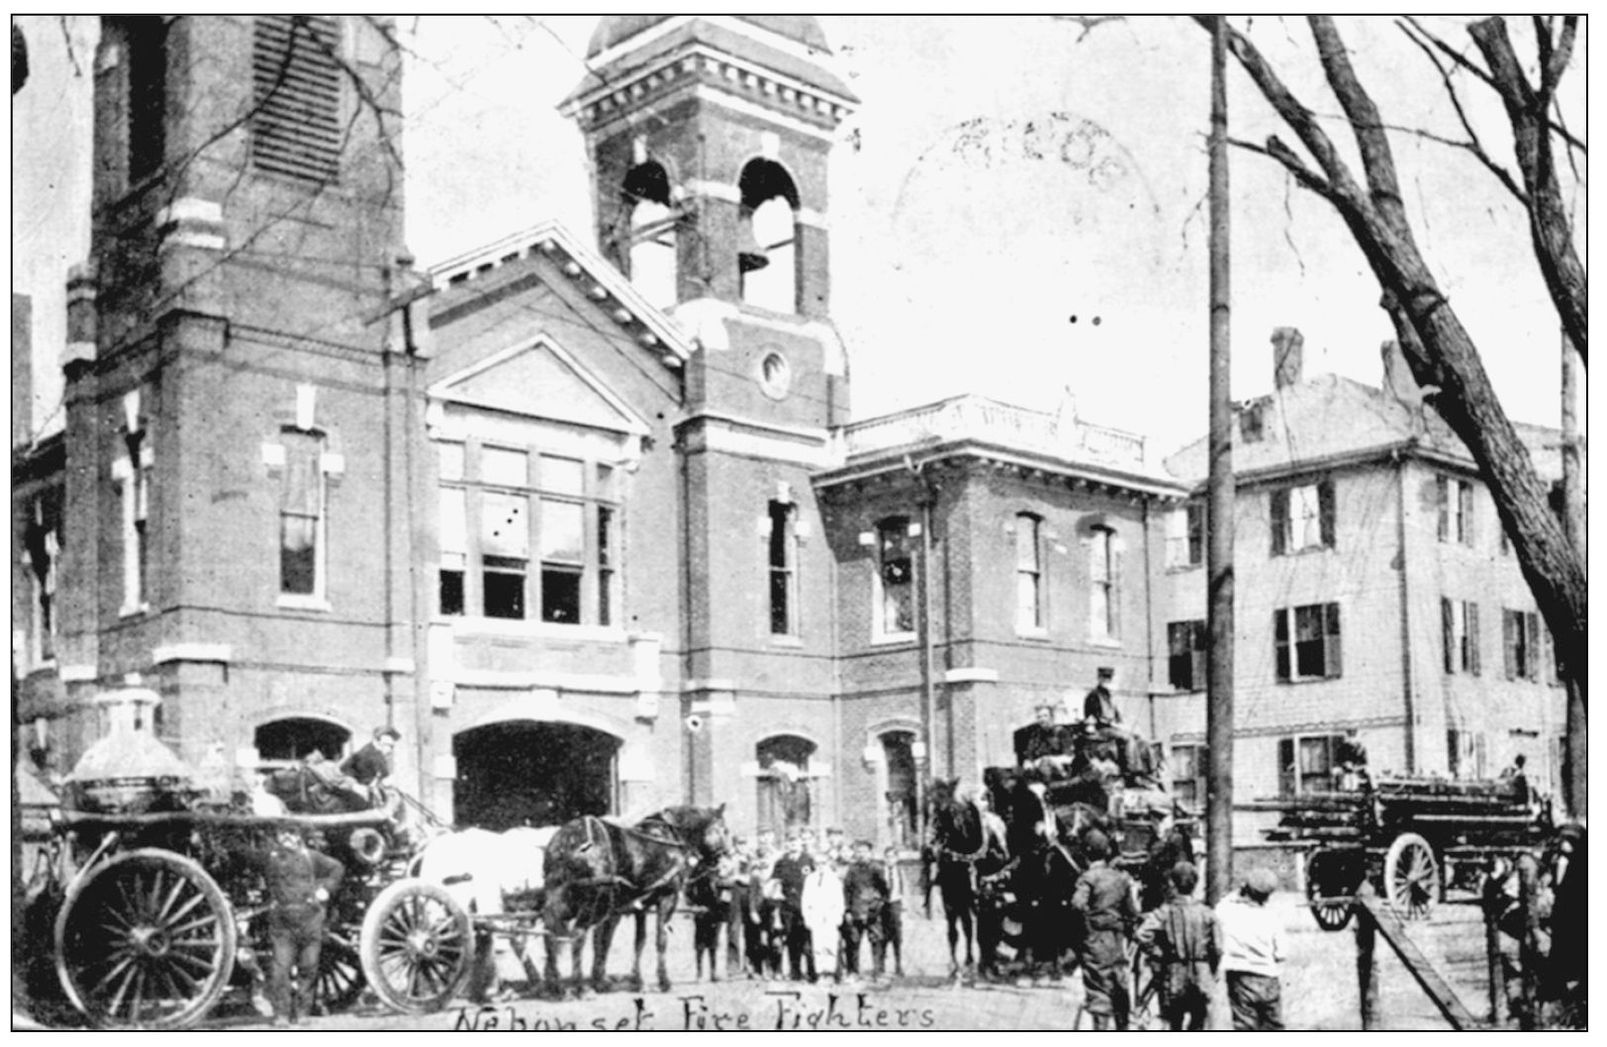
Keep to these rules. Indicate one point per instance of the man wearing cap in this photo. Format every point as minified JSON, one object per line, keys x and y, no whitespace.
{"x":1252,"y":949}
{"x":866,"y":894}
{"x":1098,"y":707}
{"x":1184,"y":943}
{"x":790,"y":871}
{"x":299,"y":883}
{"x":371,"y":765}
{"x":1103,"y":898}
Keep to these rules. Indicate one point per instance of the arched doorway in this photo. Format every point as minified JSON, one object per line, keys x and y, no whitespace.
{"x":785,"y":800}
{"x":533,"y":773}
{"x":297,"y":738}
{"x":898,"y":756}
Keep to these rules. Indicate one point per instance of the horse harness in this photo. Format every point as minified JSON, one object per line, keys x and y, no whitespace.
{"x":597,"y":833}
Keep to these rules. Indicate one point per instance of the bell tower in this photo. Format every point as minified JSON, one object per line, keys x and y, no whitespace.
{"x":709,"y":139}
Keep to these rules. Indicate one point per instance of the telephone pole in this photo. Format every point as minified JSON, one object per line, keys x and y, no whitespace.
{"x":1219,"y":520}
{"x":1576,"y":767}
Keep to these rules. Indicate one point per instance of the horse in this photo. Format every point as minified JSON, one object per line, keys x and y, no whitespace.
{"x":596,"y":871}
{"x":957,"y":841}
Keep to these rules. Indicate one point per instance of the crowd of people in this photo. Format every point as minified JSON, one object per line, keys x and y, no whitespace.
{"x":802,"y":910}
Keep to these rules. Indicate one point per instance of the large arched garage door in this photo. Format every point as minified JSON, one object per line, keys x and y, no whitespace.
{"x":524,"y":772}
{"x":298,"y":737}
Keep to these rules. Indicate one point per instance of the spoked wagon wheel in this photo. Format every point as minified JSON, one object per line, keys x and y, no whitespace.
{"x":417,"y":946}
{"x":1411,"y":876}
{"x":1325,"y":878}
{"x":145,"y":941}
{"x":340,"y":973}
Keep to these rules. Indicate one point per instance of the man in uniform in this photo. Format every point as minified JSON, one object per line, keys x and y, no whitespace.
{"x":1184,"y":943}
{"x":867,"y":894}
{"x":299,"y":882}
{"x":790,"y":871}
{"x":371,"y":765}
{"x":1104,"y":899}
{"x":1098,"y":706}
{"x":1041,"y":738}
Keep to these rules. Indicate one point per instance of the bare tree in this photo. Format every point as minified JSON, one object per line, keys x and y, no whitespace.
{"x":1438,"y":349}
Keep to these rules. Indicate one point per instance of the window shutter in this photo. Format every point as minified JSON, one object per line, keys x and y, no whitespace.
{"x":1509,"y":643}
{"x":1453,"y":752}
{"x":1448,"y":633}
{"x":1334,"y":666}
{"x":1468,"y":535}
{"x":1117,"y":560}
{"x":1287,"y":775}
{"x":1325,"y":511}
{"x":1201,"y":655}
{"x":1442,"y":499}
{"x":1280,"y":518}
{"x":295,"y":123}
{"x":1280,"y":641}
{"x":1473,"y":637}
{"x":1533,"y":646}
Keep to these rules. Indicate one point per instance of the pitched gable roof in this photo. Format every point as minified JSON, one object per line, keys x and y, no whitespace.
{"x":1332,"y":418}
{"x":613,"y":292}
{"x":539,"y":378}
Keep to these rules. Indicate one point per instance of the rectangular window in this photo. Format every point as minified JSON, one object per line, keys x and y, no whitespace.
{"x":1466,"y":753}
{"x":295,"y":117}
{"x":562,"y":476}
{"x":454,"y":544}
{"x":1306,"y":640}
{"x":780,"y":542}
{"x":1186,"y":644}
{"x":451,"y":461}
{"x":147,"y":95}
{"x":1455,"y":498}
{"x":563,"y":557}
{"x":1185,"y":536}
{"x":895,"y":578}
{"x":1306,"y":763}
{"x":1029,"y":573}
{"x":504,"y":467}
{"x":1104,"y":575}
{"x":1521,"y":638}
{"x":605,"y":565}
{"x":301,"y":509}
{"x":1188,"y":775}
{"x":1303,"y":518}
{"x":1252,"y":422}
{"x":504,"y":553}
{"x":1459,"y":625}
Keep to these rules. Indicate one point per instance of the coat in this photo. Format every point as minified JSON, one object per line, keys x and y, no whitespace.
{"x":1184,"y":940}
{"x":1104,"y":898}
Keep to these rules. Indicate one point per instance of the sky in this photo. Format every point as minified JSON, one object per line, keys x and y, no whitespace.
{"x":1017,"y":207}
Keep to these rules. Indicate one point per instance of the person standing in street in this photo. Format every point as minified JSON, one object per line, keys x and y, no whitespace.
{"x":1184,"y":944}
{"x":299,"y":883}
{"x":1252,"y":949}
{"x":790,"y":871}
{"x":1104,"y":899}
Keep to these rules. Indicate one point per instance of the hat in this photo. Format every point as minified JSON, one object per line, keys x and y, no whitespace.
{"x":1261,"y":881}
{"x":1096,"y":844}
{"x":1107,"y":673}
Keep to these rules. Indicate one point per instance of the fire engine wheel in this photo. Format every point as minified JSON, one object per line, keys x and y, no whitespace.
{"x":340,"y":972}
{"x":1323,"y":880}
{"x":417,"y":946}
{"x":1411,"y":876}
{"x":145,"y":940}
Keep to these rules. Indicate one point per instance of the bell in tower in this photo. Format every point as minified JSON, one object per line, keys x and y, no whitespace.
{"x":719,"y":128}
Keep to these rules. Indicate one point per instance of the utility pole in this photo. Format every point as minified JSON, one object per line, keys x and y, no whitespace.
{"x":1576,"y":768}
{"x":1219,"y":521}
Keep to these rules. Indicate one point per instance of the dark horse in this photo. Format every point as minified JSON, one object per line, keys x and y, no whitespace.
{"x":597,"y":871}
{"x":956,"y":843}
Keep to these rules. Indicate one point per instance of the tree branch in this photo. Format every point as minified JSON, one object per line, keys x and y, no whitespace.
{"x":1473,"y":144}
{"x":1377,"y":160}
{"x":1549,"y":227}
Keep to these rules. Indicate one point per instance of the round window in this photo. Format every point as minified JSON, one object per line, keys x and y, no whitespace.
{"x":775,"y":375}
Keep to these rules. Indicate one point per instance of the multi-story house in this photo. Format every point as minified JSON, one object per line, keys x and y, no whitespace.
{"x":1375,"y":592}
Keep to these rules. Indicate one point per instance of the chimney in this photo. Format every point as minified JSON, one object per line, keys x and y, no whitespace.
{"x":1398,"y":381}
{"x":1286,"y":356}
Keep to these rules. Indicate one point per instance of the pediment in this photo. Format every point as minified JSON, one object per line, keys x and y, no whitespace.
{"x":540,"y":380}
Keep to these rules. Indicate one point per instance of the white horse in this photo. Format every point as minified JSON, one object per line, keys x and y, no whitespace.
{"x":485,"y":871}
